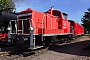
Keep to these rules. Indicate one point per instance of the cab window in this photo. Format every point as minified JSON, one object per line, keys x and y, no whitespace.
{"x":55,"y":13}
{"x":65,"y":16}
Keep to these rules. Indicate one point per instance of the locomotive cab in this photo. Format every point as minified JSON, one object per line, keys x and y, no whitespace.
{"x":56,"y":13}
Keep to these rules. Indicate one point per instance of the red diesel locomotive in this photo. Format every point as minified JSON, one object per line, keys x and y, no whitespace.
{"x":37,"y":29}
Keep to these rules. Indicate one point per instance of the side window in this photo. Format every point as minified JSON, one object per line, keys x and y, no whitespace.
{"x":65,"y":16}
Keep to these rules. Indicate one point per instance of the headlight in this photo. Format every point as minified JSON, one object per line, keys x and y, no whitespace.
{"x":31,"y":28}
{"x":8,"y":28}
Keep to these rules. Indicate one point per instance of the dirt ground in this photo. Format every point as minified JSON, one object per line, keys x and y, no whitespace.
{"x":76,"y":50}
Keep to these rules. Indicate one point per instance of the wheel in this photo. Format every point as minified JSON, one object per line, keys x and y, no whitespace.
{"x":20,"y":41}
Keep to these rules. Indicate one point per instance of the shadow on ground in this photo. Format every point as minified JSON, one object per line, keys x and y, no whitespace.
{"x":22,"y":51}
{"x":14,"y":50}
{"x":79,"y":48}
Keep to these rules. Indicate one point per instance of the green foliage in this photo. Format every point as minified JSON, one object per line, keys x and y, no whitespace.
{"x":7,"y":5}
{"x":86,"y":20}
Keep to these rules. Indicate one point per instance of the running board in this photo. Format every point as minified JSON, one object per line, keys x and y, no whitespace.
{"x":36,"y":47}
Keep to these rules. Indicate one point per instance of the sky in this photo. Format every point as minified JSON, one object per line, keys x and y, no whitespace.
{"x":74,"y":8}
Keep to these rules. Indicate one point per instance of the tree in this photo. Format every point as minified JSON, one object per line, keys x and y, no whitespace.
{"x":7,"y":5}
{"x":86,"y":20}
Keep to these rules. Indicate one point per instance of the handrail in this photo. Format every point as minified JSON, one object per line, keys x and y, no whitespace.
{"x":33,"y":32}
{"x":42,"y":25}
